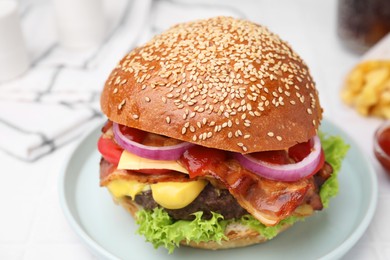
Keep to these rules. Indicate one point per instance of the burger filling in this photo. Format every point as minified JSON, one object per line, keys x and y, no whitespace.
{"x":196,"y":196}
{"x":206,"y":180}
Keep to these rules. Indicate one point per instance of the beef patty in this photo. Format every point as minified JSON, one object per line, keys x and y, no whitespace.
{"x":210,"y":199}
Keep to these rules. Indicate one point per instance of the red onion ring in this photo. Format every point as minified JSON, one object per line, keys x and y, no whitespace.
{"x":284,"y":172}
{"x":169,"y":153}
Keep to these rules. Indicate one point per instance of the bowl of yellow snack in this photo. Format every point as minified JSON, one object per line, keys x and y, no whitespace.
{"x":367,"y":86}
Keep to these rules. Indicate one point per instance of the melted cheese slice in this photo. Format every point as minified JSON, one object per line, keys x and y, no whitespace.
{"x":129,"y":161}
{"x":120,"y":188}
{"x":177,"y":195}
{"x":170,"y":195}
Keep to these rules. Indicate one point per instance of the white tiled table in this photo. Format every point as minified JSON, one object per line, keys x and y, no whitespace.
{"x":32,"y":225}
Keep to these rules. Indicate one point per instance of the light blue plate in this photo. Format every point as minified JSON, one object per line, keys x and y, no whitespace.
{"x":110,"y":232}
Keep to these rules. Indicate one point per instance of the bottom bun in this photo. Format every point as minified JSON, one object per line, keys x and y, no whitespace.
{"x":237,"y":234}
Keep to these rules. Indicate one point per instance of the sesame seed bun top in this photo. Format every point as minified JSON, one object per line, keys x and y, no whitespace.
{"x":222,"y":82}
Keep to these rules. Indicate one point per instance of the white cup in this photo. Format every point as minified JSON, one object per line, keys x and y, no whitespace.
{"x":81,"y":23}
{"x":13,"y":54}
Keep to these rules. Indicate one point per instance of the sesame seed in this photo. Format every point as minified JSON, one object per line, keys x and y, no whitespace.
{"x":168,"y":120}
{"x":135,"y":116}
{"x":271,"y":134}
{"x":122,"y":104}
{"x":279,"y":138}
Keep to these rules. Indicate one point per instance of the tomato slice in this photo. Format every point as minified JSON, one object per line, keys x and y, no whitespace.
{"x":107,"y":126}
{"x":109,"y":150}
{"x":112,"y":152}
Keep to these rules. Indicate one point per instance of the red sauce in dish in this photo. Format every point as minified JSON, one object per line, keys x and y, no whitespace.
{"x":382,"y":146}
{"x":384,"y":140}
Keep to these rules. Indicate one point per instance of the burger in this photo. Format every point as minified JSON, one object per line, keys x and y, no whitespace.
{"x":212,"y":136}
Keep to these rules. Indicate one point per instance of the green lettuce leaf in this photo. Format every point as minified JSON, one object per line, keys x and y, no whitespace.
{"x":159,"y":229}
{"x":335,"y":150}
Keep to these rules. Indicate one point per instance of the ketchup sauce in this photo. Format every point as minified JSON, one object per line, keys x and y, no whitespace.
{"x":382,"y":145}
{"x":198,"y":158}
{"x":133,"y":134}
{"x":384,"y":141}
{"x":273,"y":157}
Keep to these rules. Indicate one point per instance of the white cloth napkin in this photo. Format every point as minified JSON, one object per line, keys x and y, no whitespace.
{"x":58,"y":98}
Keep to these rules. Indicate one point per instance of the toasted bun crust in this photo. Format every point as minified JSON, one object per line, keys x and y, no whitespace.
{"x":237,"y":234}
{"x":222,"y":83}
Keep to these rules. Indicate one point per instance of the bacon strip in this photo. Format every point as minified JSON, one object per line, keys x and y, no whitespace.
{"x":269,"y":201}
